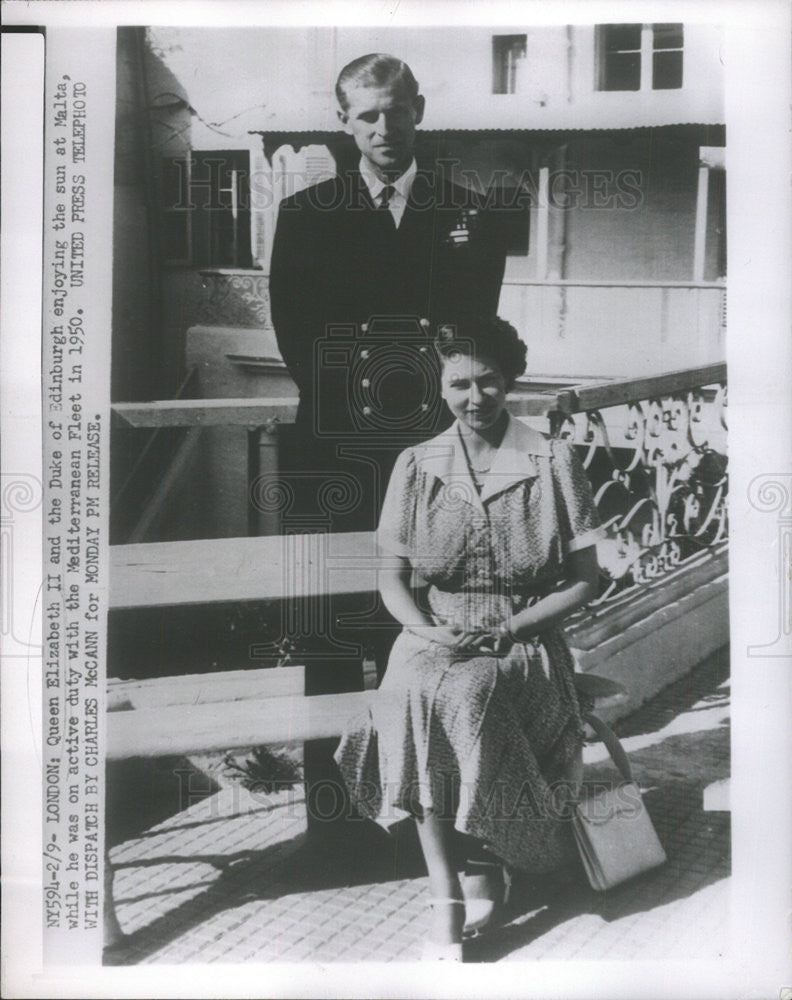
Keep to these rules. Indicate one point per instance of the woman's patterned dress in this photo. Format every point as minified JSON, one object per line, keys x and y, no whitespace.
{"x":484,"y":739}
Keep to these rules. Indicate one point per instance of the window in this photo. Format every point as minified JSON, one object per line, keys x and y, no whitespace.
{"x":639,"y":56}
{"x":508,"y":53}
{"x":666,"y":56}
{"x":206,"y":209}
{"x":620,"y":57}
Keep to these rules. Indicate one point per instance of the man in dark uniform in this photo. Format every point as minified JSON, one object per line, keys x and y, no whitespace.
{"x":364,"y":268}
{"x":358,"y":262}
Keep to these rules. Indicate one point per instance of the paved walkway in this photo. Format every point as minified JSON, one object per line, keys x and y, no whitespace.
{"x":233,"y":878}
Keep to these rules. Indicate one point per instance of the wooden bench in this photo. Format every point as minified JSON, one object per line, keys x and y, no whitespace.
{"x":229,"y":710}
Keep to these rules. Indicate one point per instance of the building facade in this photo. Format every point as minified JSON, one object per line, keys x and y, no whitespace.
{"x":610,"y":136}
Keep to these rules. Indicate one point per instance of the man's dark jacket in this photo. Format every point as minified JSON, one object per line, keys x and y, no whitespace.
{"x":338,"y":263}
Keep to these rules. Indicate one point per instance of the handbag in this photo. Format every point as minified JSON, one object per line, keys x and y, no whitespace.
{"x":612,"y":828}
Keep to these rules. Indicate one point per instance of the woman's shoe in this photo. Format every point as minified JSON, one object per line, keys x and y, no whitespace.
{"x":479,"y":914}
{"x":433,"y":950}
{"x":486,"y":889}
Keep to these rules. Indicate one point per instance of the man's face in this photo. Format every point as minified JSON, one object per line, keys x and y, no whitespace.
{"x":382,"y":122}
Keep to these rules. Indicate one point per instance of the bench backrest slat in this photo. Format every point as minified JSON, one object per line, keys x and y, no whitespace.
{"x":174,"y":730}
{"x":198,"y":689}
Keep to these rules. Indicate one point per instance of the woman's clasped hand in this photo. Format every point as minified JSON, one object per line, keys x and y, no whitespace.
{"x":470,"y":642}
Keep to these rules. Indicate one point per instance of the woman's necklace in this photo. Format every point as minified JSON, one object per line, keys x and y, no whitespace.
{"x":479,"y":468}
{"x":486,"y":454}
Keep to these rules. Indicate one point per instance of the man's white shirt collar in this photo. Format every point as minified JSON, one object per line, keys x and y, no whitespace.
{"x":402,"y":187}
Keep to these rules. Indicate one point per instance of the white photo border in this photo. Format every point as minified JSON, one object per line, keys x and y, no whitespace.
{"x":757,"y":72}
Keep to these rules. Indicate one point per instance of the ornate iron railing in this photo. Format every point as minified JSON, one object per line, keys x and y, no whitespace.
{"x":656,"y":454}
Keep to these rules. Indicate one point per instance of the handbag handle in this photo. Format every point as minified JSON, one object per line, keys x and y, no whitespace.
{"x":612,"y":744}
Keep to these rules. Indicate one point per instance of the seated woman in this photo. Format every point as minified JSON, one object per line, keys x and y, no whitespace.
{"x":477,"y":724}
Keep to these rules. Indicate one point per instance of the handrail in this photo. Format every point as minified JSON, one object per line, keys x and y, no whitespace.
{"x":247,"y":412}
{"x":228,"y":411}
{"x":618,"y":392}
{"x":612,"y":283}
{"x":533,"y":282}
{"x":257,"y":412}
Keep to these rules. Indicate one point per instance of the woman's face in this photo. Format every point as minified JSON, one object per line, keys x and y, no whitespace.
{"x":474,"y":389}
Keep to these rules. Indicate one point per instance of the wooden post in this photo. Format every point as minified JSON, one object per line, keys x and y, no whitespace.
{"x":647,"y":57}
{"x":542,"y":223}
{"x":700,"y":239}
{"x":264,"y":461}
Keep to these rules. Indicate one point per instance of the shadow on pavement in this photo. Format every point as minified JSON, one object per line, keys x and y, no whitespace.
{"x":675,"y":751}
{"x":349,"y":855}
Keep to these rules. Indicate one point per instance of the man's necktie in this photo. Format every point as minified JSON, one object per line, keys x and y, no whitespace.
{"x":385,"y":196}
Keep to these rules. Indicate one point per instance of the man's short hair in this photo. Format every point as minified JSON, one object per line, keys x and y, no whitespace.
{"x":375,"y":70}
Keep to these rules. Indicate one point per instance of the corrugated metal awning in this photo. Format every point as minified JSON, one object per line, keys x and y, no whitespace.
{"x":702,"y":133}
